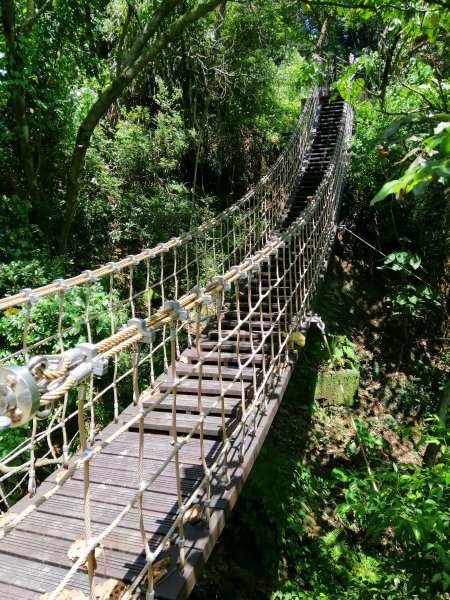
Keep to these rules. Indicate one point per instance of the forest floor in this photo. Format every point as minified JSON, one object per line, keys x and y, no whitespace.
{"x":286,"y":513}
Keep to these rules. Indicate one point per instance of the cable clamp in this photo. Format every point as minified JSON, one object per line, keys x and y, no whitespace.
{"x":237,"y":269}
{"x":176,"y":241}
{"x":115,"y":268}
{"x":150,"y":252}
{"x":88,"y":453}
{"x":91,"y":544}
{"x":319,"y":322}
{"x":256,"y":267}
{"x":31,"y":296}
{"x":99,"y":365}
{"x":186,"y":236}
{"x":148,"y":334}
{"x":90,"y":275}
{"x":226,"y":285}
{"x":176,"y":312}
{"x":64,"y":287}
{"x":200,"y":292}
{"x":181,"y":542}
{"x":144,"y":410}
{"x":134,"y":260}
{"x":341,"y":227}
{"x":197,"y":232}
{"x":163,"y":247}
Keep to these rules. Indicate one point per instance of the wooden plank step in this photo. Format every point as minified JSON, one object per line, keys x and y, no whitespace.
{"x":231,"y":346}
{"x":211,"y":372}
{"x":226,"y":357}
{"x":209,"y":388}
{"x":189,"y":404}
{"x":162,"y":421}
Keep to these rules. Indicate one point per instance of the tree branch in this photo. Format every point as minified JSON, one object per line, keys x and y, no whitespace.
{"x":27,"y":25}
{"x":112,"y":92}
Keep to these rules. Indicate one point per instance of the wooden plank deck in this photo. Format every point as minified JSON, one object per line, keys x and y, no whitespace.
{"x":34,"y":555}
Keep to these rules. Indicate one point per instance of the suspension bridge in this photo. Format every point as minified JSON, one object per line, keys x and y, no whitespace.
{"x":199,"y":348}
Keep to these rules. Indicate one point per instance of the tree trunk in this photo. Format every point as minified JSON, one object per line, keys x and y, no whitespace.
{"x":16,"y":75}
{"x":136,"y":60}
{"x":322,"y":36}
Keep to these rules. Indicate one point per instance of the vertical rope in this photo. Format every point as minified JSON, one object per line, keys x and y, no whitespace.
{"x":278,"y":307}
{"x":32,"y":469}
{"x":175,"y":279}
{"x":86,"y":488}
{"x":177,"y":446}
{"x":91,"y":379}
{"x":65,"y":444}
{"x":188,"y":287}
{"x":116,"y":358}
{"x":26,"y":326}
{"x":201,"y":413}
{"x":164,"y":329}
{"x":261,"y":324}
{"x":239,"y":363}
{"x":225,"y":476}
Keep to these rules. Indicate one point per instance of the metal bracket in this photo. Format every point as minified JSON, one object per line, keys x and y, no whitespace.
{"x":237,"y":269}
{"x":319,"y":322}
{"x":175,"y":310}
{"x":200,"y":292}
{"x":65,"y":287}
{"x":91,"y":275}
{"x":90,"y":352}
{"x":31,"y":296}
{"x":114,"y":267}
{"x":226,"y":285}
{"x":149,"y":335}
{"x":133,"y":259}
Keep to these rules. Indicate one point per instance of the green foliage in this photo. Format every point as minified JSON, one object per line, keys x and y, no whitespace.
{"x":131,"y":181}
{"x":411,"y":504}
{"x":44,"y":319}
{"x":431,"y":163}
{"x":32,"y":272}
{"x":17,"y":236}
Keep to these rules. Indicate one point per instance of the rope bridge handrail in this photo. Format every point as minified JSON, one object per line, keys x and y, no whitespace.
{"x":279,"y":280}
{"x":283,"y":167}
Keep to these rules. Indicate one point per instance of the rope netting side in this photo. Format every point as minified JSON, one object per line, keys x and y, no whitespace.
{"x":280,"y":279}
{"x":139,"y":285}
{"x":258,"y":211}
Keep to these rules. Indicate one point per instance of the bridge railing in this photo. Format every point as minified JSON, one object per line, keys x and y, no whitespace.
{"x":155,"y":274}
{"x":293,"y":265}
{"x":88,"y":307}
